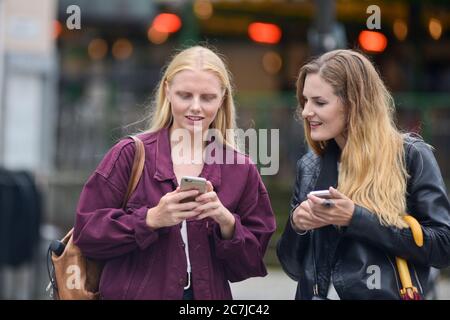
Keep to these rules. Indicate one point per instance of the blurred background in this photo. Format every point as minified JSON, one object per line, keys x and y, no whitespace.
{"x":78,"y":75}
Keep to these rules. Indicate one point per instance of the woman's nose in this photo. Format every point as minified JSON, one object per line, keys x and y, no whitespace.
{"x":306,"y":112}
{"x":195,"y":105}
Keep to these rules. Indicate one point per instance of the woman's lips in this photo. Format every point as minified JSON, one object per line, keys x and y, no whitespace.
{"x":194,"y":118}
{"x":315,"y":124}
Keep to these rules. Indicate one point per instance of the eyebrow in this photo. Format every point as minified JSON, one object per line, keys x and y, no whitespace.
{"x":202,"y":94}
{"x":315,"y":97}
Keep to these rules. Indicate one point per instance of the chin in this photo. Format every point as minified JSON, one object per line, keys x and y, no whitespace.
{"x":193,"y":129}
{"x":320,"y":138}
{"x":316,"y":137}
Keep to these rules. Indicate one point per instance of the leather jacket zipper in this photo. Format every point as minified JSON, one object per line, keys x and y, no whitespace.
{"x":395,"y":272}
{"x":417,"y":279}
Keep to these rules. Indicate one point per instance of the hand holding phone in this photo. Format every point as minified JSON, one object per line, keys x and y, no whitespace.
{"x":178,"y":205}
{"x":324,"y":194}
{"x":192,"y":183}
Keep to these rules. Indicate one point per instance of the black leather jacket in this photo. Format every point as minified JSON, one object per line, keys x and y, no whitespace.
{"x":351,"y":255}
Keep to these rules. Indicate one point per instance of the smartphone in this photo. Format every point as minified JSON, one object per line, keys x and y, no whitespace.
{"x":189,"y":183}
{"x":324,"y":194}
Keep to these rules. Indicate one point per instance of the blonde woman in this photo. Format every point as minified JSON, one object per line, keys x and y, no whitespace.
{"x":345,"y":247}
{"x":169,"y":243}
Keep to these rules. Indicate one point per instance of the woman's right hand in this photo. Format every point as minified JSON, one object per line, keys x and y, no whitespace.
{"x":170,"y":211}
{"x":303,"y":218}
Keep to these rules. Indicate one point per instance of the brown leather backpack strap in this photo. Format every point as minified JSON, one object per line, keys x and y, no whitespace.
{"x":136,"y":171}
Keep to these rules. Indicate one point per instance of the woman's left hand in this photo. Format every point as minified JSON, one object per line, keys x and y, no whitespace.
{"x":340,"y":211}
{"x":212,"y":207}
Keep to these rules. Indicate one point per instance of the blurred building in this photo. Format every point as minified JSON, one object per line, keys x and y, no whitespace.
{"x":28,"y":73}
{"x":68,"y":92}
{"x":110,"y":67}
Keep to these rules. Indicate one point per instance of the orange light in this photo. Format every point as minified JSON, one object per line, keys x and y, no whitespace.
{"x":435,"y":28}
{"x":57,"y":29}
{"x":122,"y":49}
{"x":156,"y":37}
{"x":372,"y":41}
{"x":97,"y":49}
{"x":203,"y":9}
{"x":400,"y":29}
{"x":272,"y":62}
{"x":167,"y":23}
{"x":264,"y":32}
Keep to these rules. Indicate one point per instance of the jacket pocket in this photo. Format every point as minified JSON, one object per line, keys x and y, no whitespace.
{"x":116,"y":277}
{"x":142,"y":274}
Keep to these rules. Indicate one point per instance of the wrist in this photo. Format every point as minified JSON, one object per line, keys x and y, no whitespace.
{"x":150,"y":219}
{"x":295,"y":228}
{"x":231,"y":219}
{"x":227,"y":228}
{"x":350,"y":214}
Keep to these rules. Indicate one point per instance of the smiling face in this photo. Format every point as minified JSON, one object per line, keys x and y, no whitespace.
{"x":195,"y":97}
{"x":323,"y":110}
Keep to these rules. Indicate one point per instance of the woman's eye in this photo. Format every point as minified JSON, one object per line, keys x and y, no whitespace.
{"x":184,"y":95}
{"x":320,"y":103}
{"x":209,"y":98}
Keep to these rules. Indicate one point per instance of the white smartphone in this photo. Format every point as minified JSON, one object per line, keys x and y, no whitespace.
{"x":324,"y":194}
{"x":190,"y":183}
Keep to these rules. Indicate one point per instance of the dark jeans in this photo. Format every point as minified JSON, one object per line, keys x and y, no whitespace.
{"x":188,"y":294}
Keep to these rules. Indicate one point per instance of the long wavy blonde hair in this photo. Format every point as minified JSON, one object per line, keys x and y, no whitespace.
{"x":372,"y":170}
{"x":192,"y":59}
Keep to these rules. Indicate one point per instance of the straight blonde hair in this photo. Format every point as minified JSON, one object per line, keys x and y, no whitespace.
{"x":194,"y":58}
{"x":373,"y":168}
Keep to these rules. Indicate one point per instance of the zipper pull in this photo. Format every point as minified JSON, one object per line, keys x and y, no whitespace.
{"x":316,"y":289}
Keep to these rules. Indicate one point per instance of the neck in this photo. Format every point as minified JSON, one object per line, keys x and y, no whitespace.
{"x":341,"y":140}
{"x":191,"y":148}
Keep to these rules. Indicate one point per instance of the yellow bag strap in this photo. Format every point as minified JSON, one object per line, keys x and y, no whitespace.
{"x":408,"y":290}
{"x":416,"y":229}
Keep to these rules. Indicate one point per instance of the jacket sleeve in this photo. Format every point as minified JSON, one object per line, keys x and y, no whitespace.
{"x":103,"y":230}
{"x":429,"y":204}
{"x":291,"y":246}
{"x":243,"y":254}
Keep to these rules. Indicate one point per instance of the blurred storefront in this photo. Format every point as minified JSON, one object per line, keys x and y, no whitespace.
{"x":67,"y":93}
{"x":28,"y":74}
{"x":110,"y":67}
{"x":28,"y":70}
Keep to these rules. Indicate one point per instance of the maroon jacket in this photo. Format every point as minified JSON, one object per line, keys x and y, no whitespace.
{"x":142,"y":263}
